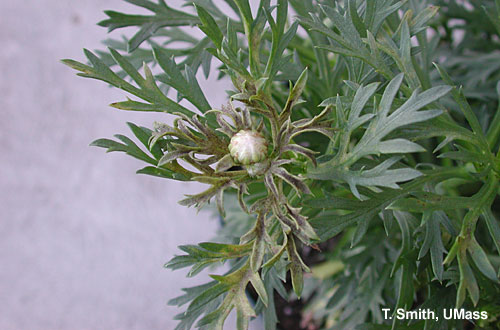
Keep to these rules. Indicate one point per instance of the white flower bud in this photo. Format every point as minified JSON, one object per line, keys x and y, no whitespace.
{"x":248,"y":147}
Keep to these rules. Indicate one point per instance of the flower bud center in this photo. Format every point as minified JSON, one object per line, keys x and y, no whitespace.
{"x":248,"y":147}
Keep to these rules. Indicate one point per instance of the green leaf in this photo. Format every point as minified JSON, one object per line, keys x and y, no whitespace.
{"x":131,"y":105}
{"x":149,"y":24}
{"x":190,"y":294}
{"x":438,"y":126}
{"x":463,"y":155}
{"x":110,"y":145}
{"x":259,"y":287}
{"x":162,"y":173}
{"x":236,"y":298}
{"x":426,"y":201}
{"x":433,"y":243}
{"x":188,"y":319}
{"x":294,"y":95}
{"x":326,"y":228}
{"x":493,"y":227}
{"x":270,"y":317}
{"x":297,"y":267}
{"x":147,"y":90}
{"x":331,"y":201}
{"x":371,"y":142}
{"x":419,"y":23}
{"x":380,"y":176}
{"x":406,"y":263}
{"x":401,"y":54}
{"x":481,"y":260}
{"x":494,"y":15}
{"x":378,"y":11}
{"x":205,"y":254}
{"x":467,"y":281}
{"x":245,"y":11}
{"x":128,"y":146}
{"x":461,"y":100}
{"x":280,"y":41}
{"x":208,"y":295}
{"x":209,"y":26}
{"x":259,"y":245}
{"x":187,"y":85}
{"x":144,"y":135}
{"x":356,"y":20}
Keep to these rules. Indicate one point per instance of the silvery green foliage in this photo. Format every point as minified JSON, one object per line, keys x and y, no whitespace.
{"x":341,"y":134}
{"x":381,"y":124}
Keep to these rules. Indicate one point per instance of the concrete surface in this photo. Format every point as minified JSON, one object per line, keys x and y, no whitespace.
{"x":83,"y":239}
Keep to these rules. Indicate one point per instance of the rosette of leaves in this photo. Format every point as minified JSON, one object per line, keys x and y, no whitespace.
{"x":196,"y":143}
{"x":189,"y":139}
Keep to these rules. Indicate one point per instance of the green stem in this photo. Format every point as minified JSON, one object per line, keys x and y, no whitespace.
{"x":485,"y":198}
{"x":254,"y":54}
{"x":253,"y":40}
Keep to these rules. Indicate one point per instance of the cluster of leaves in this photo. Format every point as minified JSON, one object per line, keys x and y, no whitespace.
{"x":372,"y":133}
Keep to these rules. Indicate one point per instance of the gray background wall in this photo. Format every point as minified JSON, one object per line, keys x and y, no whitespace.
{"x":83,"y":239}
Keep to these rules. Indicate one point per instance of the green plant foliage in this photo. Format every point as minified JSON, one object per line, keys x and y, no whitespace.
{"x":367,"y":131}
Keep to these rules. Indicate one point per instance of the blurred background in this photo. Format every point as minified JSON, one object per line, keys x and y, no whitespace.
{"x":83,"y":239}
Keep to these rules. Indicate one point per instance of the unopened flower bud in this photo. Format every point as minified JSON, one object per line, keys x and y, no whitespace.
{"x":248,"y":147}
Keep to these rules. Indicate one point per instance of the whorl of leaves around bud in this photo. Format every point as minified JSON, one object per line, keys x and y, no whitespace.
{"x":248,"y":158}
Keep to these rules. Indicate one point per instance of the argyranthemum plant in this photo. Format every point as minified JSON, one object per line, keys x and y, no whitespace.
{"x":343,"y":153}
